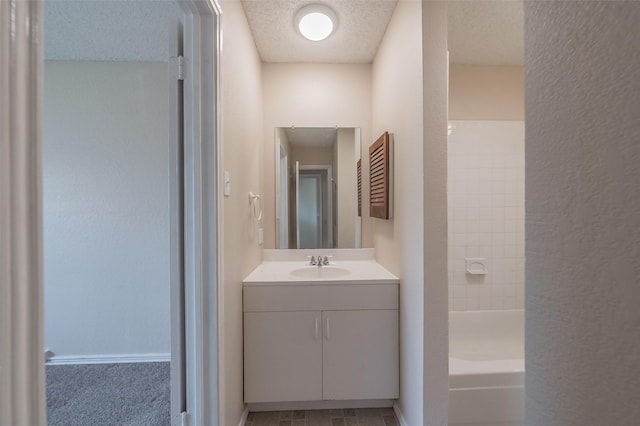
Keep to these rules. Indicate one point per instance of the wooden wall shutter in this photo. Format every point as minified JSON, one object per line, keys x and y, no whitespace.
{"x":379,"y":177}
{"x":359,"y":177}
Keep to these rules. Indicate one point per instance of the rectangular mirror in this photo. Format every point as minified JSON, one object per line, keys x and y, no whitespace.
{"x":316,"y":187}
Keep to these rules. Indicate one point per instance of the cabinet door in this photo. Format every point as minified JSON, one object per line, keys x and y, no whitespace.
{"x":282,"y":356}
{"x":360,"y":354}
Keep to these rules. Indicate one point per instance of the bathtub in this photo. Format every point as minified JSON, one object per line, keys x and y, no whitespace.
{"x":486,"y":368}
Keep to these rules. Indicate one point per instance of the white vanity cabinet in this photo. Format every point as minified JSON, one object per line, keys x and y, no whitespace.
{"x":360,"y":354}
{"x":282,"y":356}
{"x":312,"y":342}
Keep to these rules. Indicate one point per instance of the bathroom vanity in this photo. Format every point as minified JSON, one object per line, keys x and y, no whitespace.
{"x":318,"y":333}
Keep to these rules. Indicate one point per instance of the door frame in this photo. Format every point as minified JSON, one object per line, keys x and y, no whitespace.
{"x":22,"y":378}
{"x":307,"y":181}
{"x":329,"y":199}
{"x":202,"y":211}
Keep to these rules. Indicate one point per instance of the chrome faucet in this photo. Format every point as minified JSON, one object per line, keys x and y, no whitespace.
{"x":319,"y":262}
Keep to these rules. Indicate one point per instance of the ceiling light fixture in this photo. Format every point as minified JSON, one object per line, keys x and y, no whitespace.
{"x":316,"y":22}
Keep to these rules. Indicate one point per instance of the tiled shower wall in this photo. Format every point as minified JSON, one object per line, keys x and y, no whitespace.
{"x":486,"y":214}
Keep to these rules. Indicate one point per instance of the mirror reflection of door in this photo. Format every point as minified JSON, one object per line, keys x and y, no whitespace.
{"x":310,"y":199}
{"x":315,"y":212}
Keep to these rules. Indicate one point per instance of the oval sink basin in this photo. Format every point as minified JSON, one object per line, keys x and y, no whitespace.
{"x":325,"y":272}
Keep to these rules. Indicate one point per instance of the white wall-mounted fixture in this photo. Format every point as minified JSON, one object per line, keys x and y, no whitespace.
{"x":316,"y":22}
{"x":476,"y":266}
{"x":256,"y":206}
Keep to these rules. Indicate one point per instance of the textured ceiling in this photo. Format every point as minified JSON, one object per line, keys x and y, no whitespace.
{"x":486,"y":32}
{"x":108,"y":30}
{"x":480,"y":31}
{"x":361,"y":27}
{"x":312,"y":137}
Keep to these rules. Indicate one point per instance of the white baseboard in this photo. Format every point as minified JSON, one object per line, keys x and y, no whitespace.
{"x":108,"y":359}
{"x":245,"y":414}
{"x":399,"y":415}
{"x":319,"y":405}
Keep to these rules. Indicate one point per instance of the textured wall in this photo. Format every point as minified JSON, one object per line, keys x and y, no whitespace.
{"x":583,"y":226}
{"x":105,"y":190}
{"x":242,"y":157}
{"x":486,"y":214}
{"x":108,"y":30}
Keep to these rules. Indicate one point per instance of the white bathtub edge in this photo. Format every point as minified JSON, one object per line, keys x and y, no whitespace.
{"x":498,"y":405}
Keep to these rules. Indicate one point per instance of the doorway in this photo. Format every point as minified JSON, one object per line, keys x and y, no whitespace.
{"x":315,"y":212}
{"x":486,"y":211}
{"x":119,"y":162}
{"x":106,"y":215}
{"x":20,"y":192}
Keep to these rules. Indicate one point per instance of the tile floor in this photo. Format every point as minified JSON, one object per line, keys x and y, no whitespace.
{"x":343,"y":417}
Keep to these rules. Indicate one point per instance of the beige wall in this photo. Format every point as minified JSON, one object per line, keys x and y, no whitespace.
{"x":312,"y":95}
{"x":242,"y":157}
{"x":436,"y":314}
{"x":347,"y":188}
{"x":312,"y":156}
{"x":398,"y":76}
{"x":483,"y":92}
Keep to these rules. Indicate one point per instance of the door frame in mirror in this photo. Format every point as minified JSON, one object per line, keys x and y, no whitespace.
{"x":326,"y":172}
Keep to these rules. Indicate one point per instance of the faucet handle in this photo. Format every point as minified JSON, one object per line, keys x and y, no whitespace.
{"x":312,"y":260}
{"x":325,"y":260}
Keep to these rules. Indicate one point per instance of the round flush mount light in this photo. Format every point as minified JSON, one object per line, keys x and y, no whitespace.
{"x":316,"y":22}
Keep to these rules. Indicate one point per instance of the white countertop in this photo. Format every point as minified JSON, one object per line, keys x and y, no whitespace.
{"x":280,"y":273}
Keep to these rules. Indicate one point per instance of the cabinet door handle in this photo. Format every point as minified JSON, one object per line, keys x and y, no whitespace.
{"x":327,"y":329}
{"x":317,"y":329}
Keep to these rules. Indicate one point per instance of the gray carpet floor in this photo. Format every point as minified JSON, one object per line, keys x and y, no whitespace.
{"x":108,"y":394}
